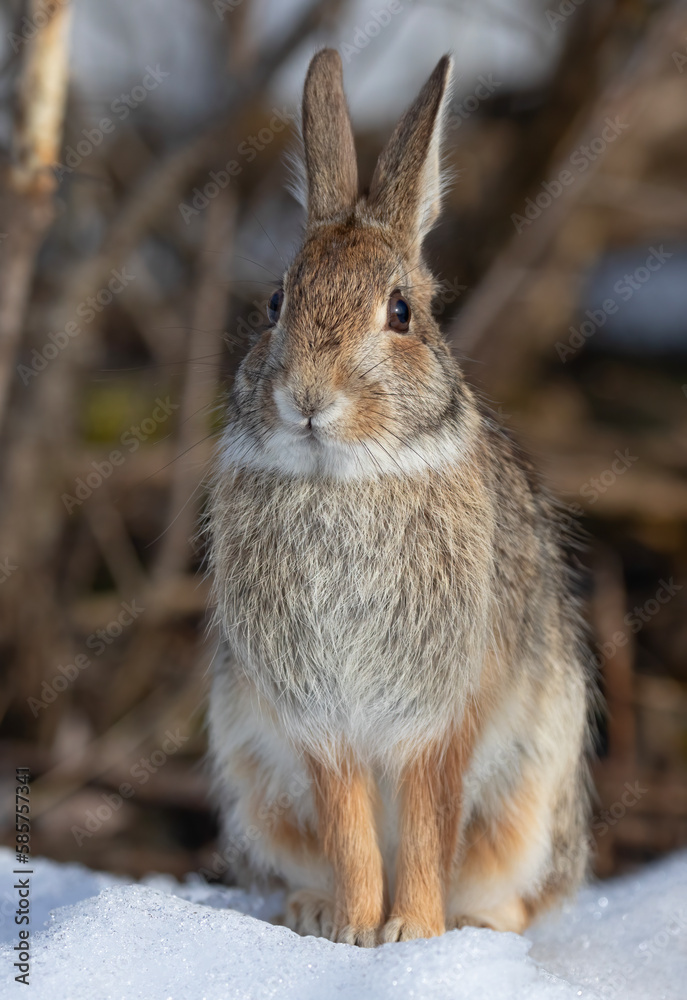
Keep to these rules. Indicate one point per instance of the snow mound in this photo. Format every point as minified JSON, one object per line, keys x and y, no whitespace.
{"x":162,"y":939}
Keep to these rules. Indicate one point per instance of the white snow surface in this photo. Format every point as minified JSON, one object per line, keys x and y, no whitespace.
{"x":96,"y":936}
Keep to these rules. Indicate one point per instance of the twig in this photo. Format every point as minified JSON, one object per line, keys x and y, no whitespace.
{"x":26,"y":208}
{"x":475,"y":330}
{"x":167,"y":182}
{"x":205,"y":340}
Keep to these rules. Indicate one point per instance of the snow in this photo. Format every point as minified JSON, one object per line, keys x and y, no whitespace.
{"x":162,"y":939}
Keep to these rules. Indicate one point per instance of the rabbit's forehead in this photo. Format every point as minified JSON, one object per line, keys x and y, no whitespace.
{"x":339,"y":268}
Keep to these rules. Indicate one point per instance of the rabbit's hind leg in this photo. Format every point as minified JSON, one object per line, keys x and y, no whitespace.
{"x":503,"y":862}
{"x":309,"y":912}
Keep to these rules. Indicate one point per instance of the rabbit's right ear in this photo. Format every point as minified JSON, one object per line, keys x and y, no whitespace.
{"x":330,"y":162}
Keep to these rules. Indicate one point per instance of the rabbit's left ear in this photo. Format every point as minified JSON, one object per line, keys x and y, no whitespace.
{"x":407,"y":184}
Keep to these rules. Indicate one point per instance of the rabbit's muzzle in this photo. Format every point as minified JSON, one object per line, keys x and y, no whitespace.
{"x":312,"y":410}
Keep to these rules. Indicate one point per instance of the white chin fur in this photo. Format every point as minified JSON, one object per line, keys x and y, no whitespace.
{"x":285,"y":452}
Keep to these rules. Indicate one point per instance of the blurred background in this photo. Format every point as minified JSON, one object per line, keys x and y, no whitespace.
{"x":144,"y":221}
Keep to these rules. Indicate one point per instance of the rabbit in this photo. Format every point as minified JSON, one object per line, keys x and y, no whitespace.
{"x":399,"y":713}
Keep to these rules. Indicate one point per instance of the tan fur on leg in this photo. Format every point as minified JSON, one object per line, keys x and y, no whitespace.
{"x":500,"y":855}
{"x":346,"y":828}
{"x":430,"y":813}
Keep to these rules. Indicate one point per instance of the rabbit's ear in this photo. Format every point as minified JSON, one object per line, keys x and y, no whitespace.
{"x":407,"y":184}
{"x":330,"y":161}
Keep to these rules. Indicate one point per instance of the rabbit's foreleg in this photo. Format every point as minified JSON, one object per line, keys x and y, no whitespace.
{"x":429,"y":819}
{"x":347,"y":833}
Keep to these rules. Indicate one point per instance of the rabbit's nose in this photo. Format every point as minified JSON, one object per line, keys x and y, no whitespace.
{"x":308,"y":401}
{"x":307,"y":406}
{"x":299,"y":406}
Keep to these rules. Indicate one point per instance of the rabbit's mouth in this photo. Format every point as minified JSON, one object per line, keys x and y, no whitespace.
{"x":308,"y":433}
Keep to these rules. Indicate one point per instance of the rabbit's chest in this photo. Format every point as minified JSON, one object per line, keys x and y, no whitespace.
{"x":320,"y":590}
{"x":349,"y":609}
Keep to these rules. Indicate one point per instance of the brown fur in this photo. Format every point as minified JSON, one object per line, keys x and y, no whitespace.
{"x":347,"y":835}
{"x":490,"y":852}
{"x":330,"y":152}
{"x":431,"y":790}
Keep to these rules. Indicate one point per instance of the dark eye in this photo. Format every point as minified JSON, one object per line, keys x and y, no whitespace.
{"x":274,"y":305}
{"x":399,"y":313}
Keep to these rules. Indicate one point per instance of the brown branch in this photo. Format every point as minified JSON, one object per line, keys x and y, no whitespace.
{"x":26,"y":206}
{"x":205,"y":340}
{"x":166,"y":183}
{"x":476,"y":330}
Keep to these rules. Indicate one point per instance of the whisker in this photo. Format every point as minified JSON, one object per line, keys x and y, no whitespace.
{"x":387,"y":453}
{"x":176,"y":458}
{"x":161,"y":364}
{"x":270,"y":239}
{"x":374,"y":459}
{"x":383,"y":361}
{"x":404,"y":442}
{"x":196,"y":489}
{"x":257,"y":264}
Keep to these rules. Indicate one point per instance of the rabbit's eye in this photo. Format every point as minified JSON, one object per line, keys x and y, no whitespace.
{"x":399,"y":313}
{"x":274,"y":305}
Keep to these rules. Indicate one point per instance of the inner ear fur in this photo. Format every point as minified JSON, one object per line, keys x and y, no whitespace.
{"x":330,"y":161}
{"x":405,"y":193}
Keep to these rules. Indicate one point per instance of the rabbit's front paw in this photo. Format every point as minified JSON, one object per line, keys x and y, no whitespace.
{"x":310,"y":913}
{"x":363,"y":937}
{"x":407,"y":929}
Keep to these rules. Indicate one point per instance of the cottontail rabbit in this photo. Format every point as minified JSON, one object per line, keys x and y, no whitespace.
{"x":398,"y":716}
